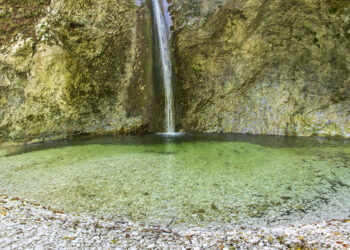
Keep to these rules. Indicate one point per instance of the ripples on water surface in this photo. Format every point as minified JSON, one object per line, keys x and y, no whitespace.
{"x":195,"y":180}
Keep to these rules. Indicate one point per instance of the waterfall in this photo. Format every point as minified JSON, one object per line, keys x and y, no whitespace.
{"x":162,"y":24}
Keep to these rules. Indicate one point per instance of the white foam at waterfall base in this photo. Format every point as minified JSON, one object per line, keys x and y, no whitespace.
{"x":171,"y":134}
{"x":163,"y":36}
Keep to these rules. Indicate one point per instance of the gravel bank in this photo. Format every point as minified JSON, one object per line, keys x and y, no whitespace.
{"x":27,"y":225}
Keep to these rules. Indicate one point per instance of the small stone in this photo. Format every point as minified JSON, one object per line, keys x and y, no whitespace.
{"x":69,"y":238}
{"x":151,"y":246}
{"x":270,"y":239}
{"x":57,"y":212}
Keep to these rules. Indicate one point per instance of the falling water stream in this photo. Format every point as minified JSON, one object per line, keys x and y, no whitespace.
{"x":161,"y":21}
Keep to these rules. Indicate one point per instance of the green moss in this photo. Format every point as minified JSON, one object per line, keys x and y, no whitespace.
{"x":24,"y":51}
{"x":79,"y":88}
{"x":25,"y":2}
{"x":338,"y":6}
{"x":20,"y":17}
{"x":267,"y":73}
{"x":2,"y":99}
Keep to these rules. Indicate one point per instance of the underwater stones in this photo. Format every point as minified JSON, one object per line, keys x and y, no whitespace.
{"x":278,"y":179}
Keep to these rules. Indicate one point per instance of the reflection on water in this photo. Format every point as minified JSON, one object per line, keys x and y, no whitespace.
{"x":195,"y":180}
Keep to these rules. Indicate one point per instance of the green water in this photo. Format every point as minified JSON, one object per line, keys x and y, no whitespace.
{"x":194,"y":180}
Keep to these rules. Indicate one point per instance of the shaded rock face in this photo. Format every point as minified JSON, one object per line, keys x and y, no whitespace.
{"x":72,"y":67}
{"x":278,"y":67}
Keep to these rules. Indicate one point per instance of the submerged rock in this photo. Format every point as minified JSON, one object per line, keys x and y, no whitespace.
{"x":263,"y":67}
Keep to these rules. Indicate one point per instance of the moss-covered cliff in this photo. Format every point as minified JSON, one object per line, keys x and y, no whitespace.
{"x":263,"y":66}
{"x":72,"y":67}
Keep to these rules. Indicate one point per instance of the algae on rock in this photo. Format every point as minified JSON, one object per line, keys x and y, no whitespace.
{"x":70,"y":67}
{"x":67,"y":71}
{"x":278,"y":67}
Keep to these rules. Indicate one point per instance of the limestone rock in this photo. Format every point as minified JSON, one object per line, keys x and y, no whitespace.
{"x":71,"y":67}
{"x":68,"y":67}
{"x":278,"y":67}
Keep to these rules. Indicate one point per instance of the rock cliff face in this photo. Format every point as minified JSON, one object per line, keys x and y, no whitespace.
{"x":277,"y":67}
{"x":72,"y":67}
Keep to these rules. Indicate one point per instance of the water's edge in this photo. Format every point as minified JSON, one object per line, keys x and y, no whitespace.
{"x":197,"y":180}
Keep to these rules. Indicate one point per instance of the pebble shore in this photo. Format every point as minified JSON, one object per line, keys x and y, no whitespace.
{"x":25,"y":225}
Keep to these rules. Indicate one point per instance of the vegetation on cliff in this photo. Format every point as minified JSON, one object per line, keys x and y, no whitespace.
{"x":67,"y":68}
{"x":254,"y":66}
{"x":263,"y":67}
